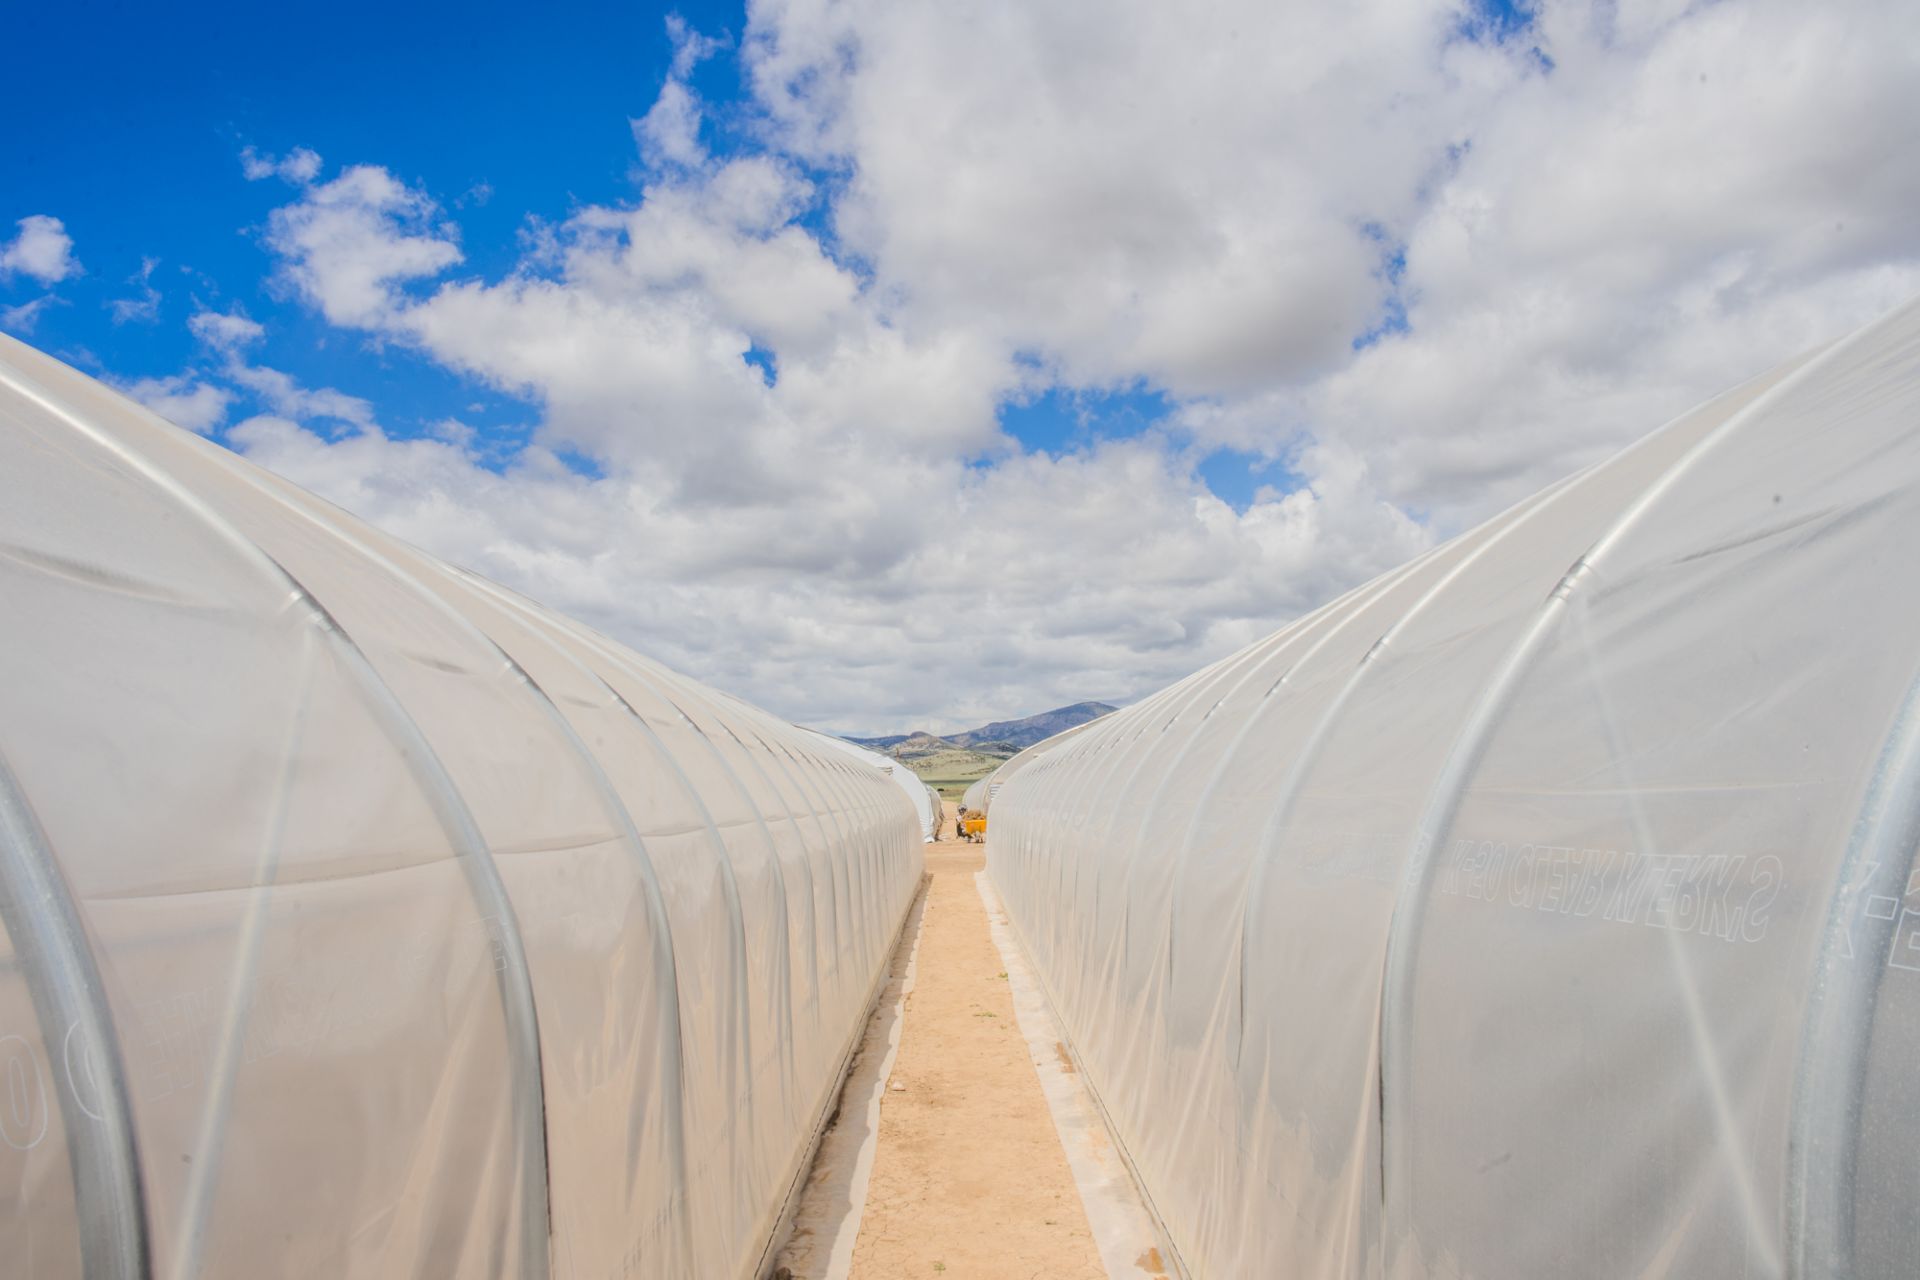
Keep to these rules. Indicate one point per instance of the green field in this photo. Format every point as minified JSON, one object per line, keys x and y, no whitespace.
{"x":950,"y":789}
{"x":951,"y":772}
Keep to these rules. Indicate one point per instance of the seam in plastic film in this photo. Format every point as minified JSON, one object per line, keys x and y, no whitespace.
{"x":1580,"y":570}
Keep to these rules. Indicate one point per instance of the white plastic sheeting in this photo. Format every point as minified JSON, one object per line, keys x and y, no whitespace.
{"x":1546,"y":907}
{"x":980,"y":795}
{"x":977,"y":795}
{"x":925,"y":803}
{"x":362,"y":918}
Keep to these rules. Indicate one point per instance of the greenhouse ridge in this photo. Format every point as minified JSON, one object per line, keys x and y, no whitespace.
{"x":1544,"y":906}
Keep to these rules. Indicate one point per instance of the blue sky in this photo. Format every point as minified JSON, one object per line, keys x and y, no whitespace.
{"x":139,"y":133}
{"x":505,"y":115}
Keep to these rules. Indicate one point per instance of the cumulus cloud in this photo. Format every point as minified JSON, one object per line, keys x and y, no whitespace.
{"x":1082,"y":575}
{"x":797,"y":535}
{"x":183,"y":400}
{"x":1425,"y":260}
{"x":41,"y":249}
{"x":1546,"y":235}
{"x":347,"y":243}
{"x":669,"y":134}
{"x":1690,"y":196}
{"x":1188,"y":195}
{"x":226,"y":332}
{"x":670,"y":131}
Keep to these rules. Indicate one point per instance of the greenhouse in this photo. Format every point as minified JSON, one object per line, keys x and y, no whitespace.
{"x":925,"y":802}
{"x":364,"y":918}
{"x":1543,"y":907}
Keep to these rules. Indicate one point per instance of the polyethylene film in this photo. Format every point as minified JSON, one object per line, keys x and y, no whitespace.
{"x":925,"y":801}
{"x":361,"y":917}
{"x":1540,"y":908}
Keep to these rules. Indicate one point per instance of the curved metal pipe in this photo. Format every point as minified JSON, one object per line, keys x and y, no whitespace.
{"x":1463,"y":759}
{"x":1829,"y":1085}
{"x":76,"y":1027}
{"x":436,"y":786}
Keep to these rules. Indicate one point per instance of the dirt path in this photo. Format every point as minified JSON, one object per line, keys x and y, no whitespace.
{"x":969,"y":1178}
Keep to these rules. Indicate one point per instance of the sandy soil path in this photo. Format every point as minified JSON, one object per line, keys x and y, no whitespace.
{"x":969,"y":1178}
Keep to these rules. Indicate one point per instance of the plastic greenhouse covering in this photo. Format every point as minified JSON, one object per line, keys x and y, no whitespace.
{"x":980,"y":795}
{"x":925,"y":802}
{"x":364,"y":919}
{"x":1547,"y":906}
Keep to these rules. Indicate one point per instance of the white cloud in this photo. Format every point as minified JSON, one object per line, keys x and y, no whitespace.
{"x":349,"y":241}
{"x":225,"y":332}
{"x":744,"y":528}
{"x":229,"y":334}
{"x":23,"y":318}
{"x":454,"y":432}
{"x":1688,"y":198}
{"x":299,"y":166}
{"x":1051,"y":579}
{"x":690,"y":47}
{"x":41,"y":249}
{"x":143,"y":308}
{"x":669,"y":134}
{"x":1134,"y":190}
{"x":284,"y":395}
{"x":182,"y":400}
{"x":1614,"y":213}
{"x":1551,"y":245}
{"x":670,"y":131}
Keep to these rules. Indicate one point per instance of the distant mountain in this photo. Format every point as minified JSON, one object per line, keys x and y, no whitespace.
{"x":950,"y":762}
{"x":1000,"y":739}
{"x":1021,"y":734}
{"x":918,"y":744}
